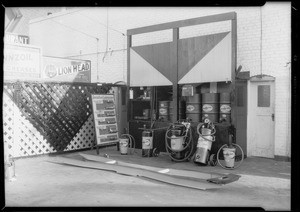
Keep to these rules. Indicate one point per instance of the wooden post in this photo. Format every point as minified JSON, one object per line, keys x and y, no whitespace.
{"x":233,"y":68}
{"x":129,"y":43}
{"x":175,"y":75}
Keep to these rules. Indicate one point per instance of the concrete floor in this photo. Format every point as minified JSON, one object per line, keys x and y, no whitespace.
{"x":264,"y":183}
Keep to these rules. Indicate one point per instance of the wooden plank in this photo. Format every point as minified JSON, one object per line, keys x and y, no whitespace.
{"x":183,"y":23}
{"x":174,"y":180}
{"x":176,"y":172}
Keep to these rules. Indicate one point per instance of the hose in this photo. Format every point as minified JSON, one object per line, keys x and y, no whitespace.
{"x":190,"y":143}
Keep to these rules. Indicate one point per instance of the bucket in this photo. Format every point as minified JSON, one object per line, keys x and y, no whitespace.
{"x":229,"y":157}
{"x":225,"y":108}
{"x":10,"y":171}
{"x":177,"y":143}
{"x":193,"y":108}
{"x":164,"y":110}
{"x":210,"y":106}
{"x":124,"y":146}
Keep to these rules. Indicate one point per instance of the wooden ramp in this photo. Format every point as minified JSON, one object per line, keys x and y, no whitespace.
{"x":154,"y":174}
{"x":175,"y":172}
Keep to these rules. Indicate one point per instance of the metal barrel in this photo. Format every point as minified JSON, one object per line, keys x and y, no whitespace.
{"x":193,"y":108}
{"x":225,"y":108}
{"x":164,"y":110}
{"x":210,"y":106}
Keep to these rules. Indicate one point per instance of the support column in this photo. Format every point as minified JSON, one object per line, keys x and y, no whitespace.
{"x":174,"y":56}
{"x":233,"y":68}
{"x":129,"y":43}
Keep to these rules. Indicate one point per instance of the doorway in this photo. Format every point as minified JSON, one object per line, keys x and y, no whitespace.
{"x":261,"y":131}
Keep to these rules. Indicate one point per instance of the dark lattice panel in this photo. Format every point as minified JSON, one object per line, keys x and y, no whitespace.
{"x":57,"y":111}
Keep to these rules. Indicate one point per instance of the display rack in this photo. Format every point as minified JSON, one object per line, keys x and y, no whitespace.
{"x":105,"y":120}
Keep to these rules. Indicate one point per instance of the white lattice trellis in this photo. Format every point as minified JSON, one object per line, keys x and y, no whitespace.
{"x":85,"y":137}
{"x":8,"y":123}
{"x":23,"y":139}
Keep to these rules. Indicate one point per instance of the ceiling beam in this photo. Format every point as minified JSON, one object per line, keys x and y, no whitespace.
{"x":183,"y":23}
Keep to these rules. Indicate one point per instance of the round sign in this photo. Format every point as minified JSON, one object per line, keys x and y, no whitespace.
{"x":225,"y":109}
{"x":163,"y":111}
{"x":190,"y":108}
{"x":50,"y":70}
{"x":207,"y":108}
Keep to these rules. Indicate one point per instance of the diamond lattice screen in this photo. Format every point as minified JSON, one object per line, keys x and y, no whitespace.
{"x":40,"y":118}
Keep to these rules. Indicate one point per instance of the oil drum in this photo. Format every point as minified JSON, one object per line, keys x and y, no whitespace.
{"x":210,"y":106}
{"x":225,"y":108}
{"x":164,"y":110}
{"x":193,"y":108}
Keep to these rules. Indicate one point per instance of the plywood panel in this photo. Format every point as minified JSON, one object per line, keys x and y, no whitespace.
{"x":192,"y":50}
{"x":143,"y":73}
{"x":215,"y":66}
{"x":159,"y":56}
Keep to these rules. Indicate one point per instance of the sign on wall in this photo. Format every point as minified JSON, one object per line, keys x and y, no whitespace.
{"x":66,"y":70}
{"x":21,"y":62}
{"x":16,"y":39}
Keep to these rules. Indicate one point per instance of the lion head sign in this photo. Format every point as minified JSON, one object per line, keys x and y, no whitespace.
{"x":66,"y":70}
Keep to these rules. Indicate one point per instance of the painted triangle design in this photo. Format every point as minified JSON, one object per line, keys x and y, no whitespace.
{"x":143,"y":73}
{"x":159,"y":56}
{"x":192,"y":50}
{"x":214,"y":66}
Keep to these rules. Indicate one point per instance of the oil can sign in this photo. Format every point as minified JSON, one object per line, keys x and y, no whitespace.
{"x":225,"y":109}
{"x":190,"y":108}
{"x":207,"y":108}
{"x":21,"y":62}
{"x":66,"y":70}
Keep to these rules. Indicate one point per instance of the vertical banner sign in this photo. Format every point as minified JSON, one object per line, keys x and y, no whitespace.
{"x":66,"y":70}
{"x":21,"y":62}
{"x":105,"y":118}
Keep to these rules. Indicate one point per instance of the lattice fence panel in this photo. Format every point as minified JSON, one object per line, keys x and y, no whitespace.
{"x":8,"y":125}
{"x":48,"y":117}
{"x":85,"y":137}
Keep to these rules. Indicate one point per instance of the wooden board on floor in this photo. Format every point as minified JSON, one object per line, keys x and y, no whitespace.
{"x":174,"y":180}
{"x":174,"y":172}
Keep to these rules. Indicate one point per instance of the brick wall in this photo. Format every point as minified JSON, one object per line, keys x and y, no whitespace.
{"x":276,"y":54}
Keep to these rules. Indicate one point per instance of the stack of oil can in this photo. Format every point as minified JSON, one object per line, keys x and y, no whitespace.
{"x":214,"y":106}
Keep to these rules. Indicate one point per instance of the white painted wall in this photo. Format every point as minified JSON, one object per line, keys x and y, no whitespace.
{"x":263,"y":45}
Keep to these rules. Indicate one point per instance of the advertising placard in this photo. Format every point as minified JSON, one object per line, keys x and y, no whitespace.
{"x":105,"y":118}
{"x":66,"y":70}
{"x":11,"y":38}
{"x":21,"y":62}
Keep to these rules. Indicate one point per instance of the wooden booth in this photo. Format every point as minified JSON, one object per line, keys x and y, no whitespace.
{"x":167,"y":81}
